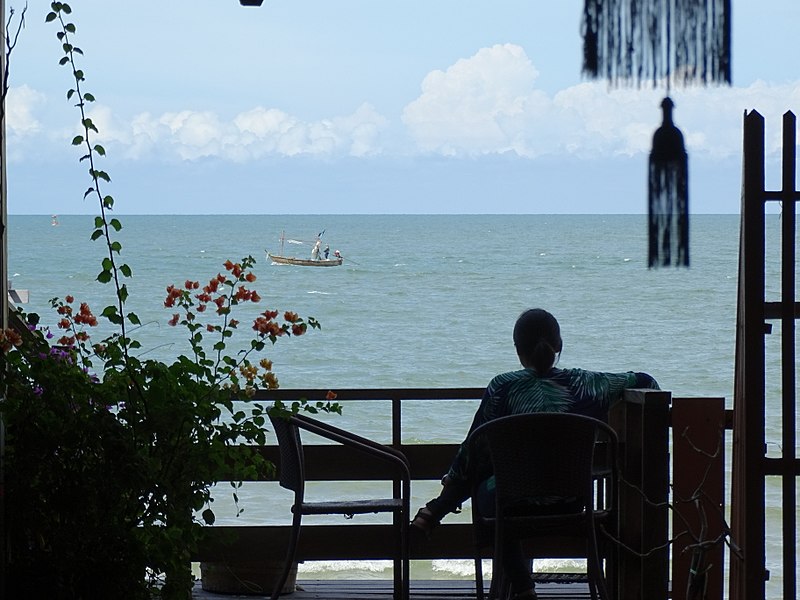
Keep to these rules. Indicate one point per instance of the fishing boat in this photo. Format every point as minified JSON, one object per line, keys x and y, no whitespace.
{"x":305,"y":262}
{"x":316,"y":259}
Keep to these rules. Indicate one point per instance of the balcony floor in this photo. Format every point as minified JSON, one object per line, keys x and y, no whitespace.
{"x":547,"y":589}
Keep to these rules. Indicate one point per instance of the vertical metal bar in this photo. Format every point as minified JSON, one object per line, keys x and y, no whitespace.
{"x":788,"y":377}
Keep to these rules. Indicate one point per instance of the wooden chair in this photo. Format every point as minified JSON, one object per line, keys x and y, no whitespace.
{"x":550,"y":480}
{"x":292,"y":476}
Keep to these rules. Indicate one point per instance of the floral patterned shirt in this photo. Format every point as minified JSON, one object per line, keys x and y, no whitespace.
{"x":577,"y":391}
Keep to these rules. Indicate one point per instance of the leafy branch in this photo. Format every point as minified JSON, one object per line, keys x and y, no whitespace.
{"x":111,"y":271}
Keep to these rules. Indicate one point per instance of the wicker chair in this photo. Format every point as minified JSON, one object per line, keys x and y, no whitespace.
{"x":292,"y":476}
{"x":550,"y":480}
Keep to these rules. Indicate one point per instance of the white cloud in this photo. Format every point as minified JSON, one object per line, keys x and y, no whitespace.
{"x":488,"y":104}
{"x":253,"y":134}
{"x":21,"y":103}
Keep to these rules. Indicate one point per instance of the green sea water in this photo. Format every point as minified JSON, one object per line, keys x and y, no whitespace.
{"x":427,"y":301}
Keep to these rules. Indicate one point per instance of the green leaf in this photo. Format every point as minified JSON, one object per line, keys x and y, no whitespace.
{"x":50,"y":17}
{"x":99,"y":222}
{"x":115,"y":224}
{"x":116,"y":247}
{"x":96,"y":234}
{"x":88,"y":97}
{"x":107,"y":264}
{"x":64,"y":60}
{"x":208,"y":516}
{"x":108,"y":202}
{"x":70,"y":27}
{"x":78,"y":74}
{"x":109,"y":311}
{"x":125,"y":270}
{"x":99,"y":149}
{"x":104,"y":277}
{"x":77,"y":50}
{"x":65,"y":8}
{"x":60,"y":35}
{"x":66,"y":46}
{"x":219,"y":346}
{"x":123,"y":294}
{"x":84,"y":157}
{"x":134,"y":318}
{"x":87,"y":192}
{"x":77,"y":140}
{"x":70,"y":94}
{"x":104,"y":176}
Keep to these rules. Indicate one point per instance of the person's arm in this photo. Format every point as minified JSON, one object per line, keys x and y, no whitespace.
{"x":459,"y":468}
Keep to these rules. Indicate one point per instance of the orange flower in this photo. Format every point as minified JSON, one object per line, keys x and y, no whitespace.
{"x":266,"y":364}
{"x":267,"y":327}
{"x":270,"y":314}
{"x":330,"y":395}
{"x":210,"y":328}
{"x":298,"y":329}
{"x":69,"y":299}
{"x":228,"y":265}
{"x":64,"y":324}
{"x":201,"y":308}
{"x":269,"y":380}
{"x":255,"y":297}
{"x":174,"y":320}
{"x":290,"y":316}
{"x":251,"y":277}
{"x":9,"y":338}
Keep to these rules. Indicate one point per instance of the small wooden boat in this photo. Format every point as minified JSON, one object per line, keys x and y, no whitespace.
{"x":305,"y":262}
{"x":316,"y":259}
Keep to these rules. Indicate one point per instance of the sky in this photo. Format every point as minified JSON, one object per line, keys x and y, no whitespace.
{"x":370,"y":106}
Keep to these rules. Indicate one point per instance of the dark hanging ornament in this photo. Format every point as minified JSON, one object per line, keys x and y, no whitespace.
{"x":668,"y":195}
{"x":641,"y":40}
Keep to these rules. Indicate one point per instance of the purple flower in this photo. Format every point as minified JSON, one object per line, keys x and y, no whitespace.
{"x":38,"y":391}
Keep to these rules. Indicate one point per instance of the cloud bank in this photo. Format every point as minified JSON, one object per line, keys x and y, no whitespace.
{"x":486,"y":104}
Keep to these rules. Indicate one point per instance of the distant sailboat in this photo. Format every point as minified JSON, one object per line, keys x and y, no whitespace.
{"x":54,"y":221}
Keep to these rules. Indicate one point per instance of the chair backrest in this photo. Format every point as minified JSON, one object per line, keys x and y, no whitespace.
{"x":542,"y":458}
{"x":291,"y":470}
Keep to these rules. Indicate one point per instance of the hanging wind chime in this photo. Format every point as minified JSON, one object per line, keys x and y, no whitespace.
{"x":681,"y":42}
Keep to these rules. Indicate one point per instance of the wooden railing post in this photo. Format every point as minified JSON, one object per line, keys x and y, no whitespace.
{"x":698,"y":488}
{"x":641,"y":420}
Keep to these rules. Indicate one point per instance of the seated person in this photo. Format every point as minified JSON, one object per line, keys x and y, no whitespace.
{"x":538,"y":387}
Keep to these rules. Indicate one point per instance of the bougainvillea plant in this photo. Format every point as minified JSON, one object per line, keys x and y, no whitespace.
{"x":110,"y":458}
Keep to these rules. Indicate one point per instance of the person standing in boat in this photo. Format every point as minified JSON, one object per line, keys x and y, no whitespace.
{"x":315,"y":250}
{"x":327,"y":251}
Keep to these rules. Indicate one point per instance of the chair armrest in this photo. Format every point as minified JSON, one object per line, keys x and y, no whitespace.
{"x":355,"y":441}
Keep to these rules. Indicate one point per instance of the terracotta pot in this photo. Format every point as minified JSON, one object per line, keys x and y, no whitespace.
{"x":256,"y":578}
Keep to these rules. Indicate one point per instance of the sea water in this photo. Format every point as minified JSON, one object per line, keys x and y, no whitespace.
{"x":426,"y":301}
